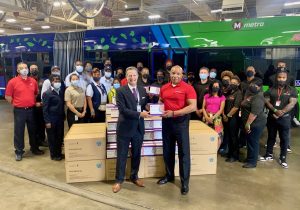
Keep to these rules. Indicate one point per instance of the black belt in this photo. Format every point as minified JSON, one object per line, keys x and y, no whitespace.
{"x":24,"y":108}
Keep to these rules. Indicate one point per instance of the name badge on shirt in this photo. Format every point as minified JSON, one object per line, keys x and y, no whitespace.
{"x":138,"y":108}
{"x":76,"y":118}
{"x":102,"y":107}
{"x":278,"y":102}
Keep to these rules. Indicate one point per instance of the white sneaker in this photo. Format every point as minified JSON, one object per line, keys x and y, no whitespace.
{"x":266,"y":158}
{"x":296,"y":121}
{"x":283,"y":164}
{"x":289,"y":150}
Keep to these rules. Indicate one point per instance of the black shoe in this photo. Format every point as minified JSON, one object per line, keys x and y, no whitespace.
{"x":56,"y":158}
{"x":184,"y":190}
{"x":37,"y":152}
{"x":231,"y":160}
{"x":164,"y":180}
{"x":43,"y":144}
{"x":249,"y":165}
{"x":19,"y":157}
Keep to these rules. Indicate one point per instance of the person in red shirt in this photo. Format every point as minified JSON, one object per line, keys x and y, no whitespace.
{"x":21,"y":92}
{"x":180,"y":100}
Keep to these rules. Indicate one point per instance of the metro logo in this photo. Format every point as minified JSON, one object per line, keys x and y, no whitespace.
{"x":237,"y":25}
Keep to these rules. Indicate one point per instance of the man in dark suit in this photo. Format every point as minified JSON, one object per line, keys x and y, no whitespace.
{"x":131,"y":101}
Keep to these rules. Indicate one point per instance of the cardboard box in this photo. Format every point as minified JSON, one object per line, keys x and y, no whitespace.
{"x":157,"y":134}
{"x":85,"y":171}
{"x":200,"y":164}
{"x":156,"y":109}
{"x":153,"y":122}
{"x":154,"y":90}
{"x":109,"y":107}
{"x":111,"y":123}
{"x":82,"y":129}
{"x":114,"y":112}
{"x":203,"y":142}
{"x":112,"y":153}
{"x":198,"y":125}
{"x":111,"y":137}
{"x":154,"y":166}
{"x":111,"y":169}
{"x":152,"y":150}
{"x":149,"y":135}
{"x":90,"y":146}
{"x":153,"y":143}
{"x":157,"y":124}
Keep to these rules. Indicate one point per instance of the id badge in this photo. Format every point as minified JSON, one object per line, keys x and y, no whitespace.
{"x":278,"y":103}
{"x":138,"y":108}
{"x":76,"y":118}
{"x":102,"y":107}
{"x":114,"y":100}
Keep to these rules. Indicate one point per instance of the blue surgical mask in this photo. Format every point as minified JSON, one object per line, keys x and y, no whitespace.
{"x":107,"y":74}
{"x":79,"y":69}
{"x":116,"y":85}
{"x":212,"y":75}
{"x":24,"y":72}
{"x":203,"y":76}
{"x":75,"y":83}
{"x":56,"y":85}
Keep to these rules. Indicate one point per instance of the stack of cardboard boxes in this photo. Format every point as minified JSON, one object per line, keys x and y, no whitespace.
{"x":85,"y":146}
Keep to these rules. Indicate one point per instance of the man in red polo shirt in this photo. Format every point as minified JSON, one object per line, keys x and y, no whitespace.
{"x":21,"y":92}
{"x":180,"y":100}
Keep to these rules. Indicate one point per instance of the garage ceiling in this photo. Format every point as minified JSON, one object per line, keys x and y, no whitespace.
{"x":60,"y":16}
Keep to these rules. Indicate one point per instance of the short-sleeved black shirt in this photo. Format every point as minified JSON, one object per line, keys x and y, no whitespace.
{"x":254,"y":104}
{"x":245,"y":85}
{"x":284,"y":95}
{"x":201,"y":90}
{"x":233,"y":100}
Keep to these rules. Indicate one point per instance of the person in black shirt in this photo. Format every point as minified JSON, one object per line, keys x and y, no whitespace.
{"x":190,"y":78}
{"x":231,"y":119}
{"x":280,"y":100}
{"x":281,"y":66}
{"x":213,"y":75}
{"x":53,"y":109}
{"x":251,"y":77}
{"x":201,"y":89}
{"x":160,"y":79}
{"x":254,"y":121}
{"x":144,"y":79}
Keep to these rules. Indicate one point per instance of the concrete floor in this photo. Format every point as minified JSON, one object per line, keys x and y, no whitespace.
{"x":39,"y":183}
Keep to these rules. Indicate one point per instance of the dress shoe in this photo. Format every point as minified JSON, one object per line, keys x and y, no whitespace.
{"x":164,"y":180}
{"x":116,"y":187}
{"x":184,"y":190}
{"x":37,"y":152}
{"x":249,"y":165}
{"x":18,"y":157}
{"x":231,"y":160}
{"x":138,"y":183}
{"x":56,"y":158}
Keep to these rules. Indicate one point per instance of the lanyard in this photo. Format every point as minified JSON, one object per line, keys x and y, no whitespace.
{"x":102,"y":88}
{"x":279,"y":92}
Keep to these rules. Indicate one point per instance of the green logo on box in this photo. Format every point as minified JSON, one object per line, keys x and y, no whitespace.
{"x":98,"y":165}
{"x":212,"y":139}
{"x":211,"y":160}
{"x":98,"y":143}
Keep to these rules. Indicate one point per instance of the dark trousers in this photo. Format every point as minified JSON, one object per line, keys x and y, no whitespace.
{"x":24,"y":117}
{"x":40,"y":125}
{"x":122,"y":154}
{"x":253,"y":143}
{"x":55,"y":138}
{"x":99,"y":117}
{"x":231,"y":133}
{"x":71,"y":118}
{"x":281,"y":125}
{"x":177,"y":129}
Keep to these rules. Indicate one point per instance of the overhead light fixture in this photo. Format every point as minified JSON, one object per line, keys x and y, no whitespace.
{"x":11,"y":20}
{"x":228,"y":20}
{"x":2,"y":30}
{"x":154,"y":16}
{"x":216,"y":11}
{"x":45,"y":27}
{"x":126,"y":6}
{"x":292,"y":14}
{"x":180,"y":37}
{"x":59,"y":3}
{"x":26,"y":28}
{"x":291,"y":3}
{"x":1,"y":12}
{"x":124,"y":19}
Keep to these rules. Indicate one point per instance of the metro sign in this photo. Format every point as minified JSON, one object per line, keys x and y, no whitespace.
{"x":237,"y":25}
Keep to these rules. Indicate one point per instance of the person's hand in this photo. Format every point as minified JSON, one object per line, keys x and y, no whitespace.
{"x":225,"y":118}
{"x":48,"y":125}
{"x":247,"y":128}
{"x":38,"y":104}
{"x":209,"y":120}
{"x":147,"y":107}
{"x":79,"y":115}
{"x":199,"y":112}
{"x":145,"y":114}
{"x":93,"y":113}
{"x":279,"y":113}
{"x":168,"y":114}
{"x":151,"y":95}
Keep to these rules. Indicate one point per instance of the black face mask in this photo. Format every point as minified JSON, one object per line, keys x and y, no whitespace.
{"x":191,"y":79}
{"x":250,"y":73}
{"x":215,"y":89}
{"x":160,"y":78}
{"x":169,"y":68}
{"x":145,"y":76}
{"x":96,"y":79}
{"x":253,"y":89}
{"x":233,"y":87}
{"x":120,"y":76}
{"x":281,"y":83}
{"x":225,"y":83}
{"x":139,"y":68}
{"x":34,"y":73}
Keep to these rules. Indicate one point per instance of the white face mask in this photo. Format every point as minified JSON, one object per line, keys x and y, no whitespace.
{"x":75,"y":83}
{"x":107,"y":74}
{"x":24,"y":72}
{"x":79,"y":69}
{"x":56,"y":73}
{"x":56,"y":85}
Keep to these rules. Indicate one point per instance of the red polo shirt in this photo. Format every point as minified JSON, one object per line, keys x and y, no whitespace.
{"x":22,"y":91}
{"x":174,"y":98}
{"x":124,"y":82}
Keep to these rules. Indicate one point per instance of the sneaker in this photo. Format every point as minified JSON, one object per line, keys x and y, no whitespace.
{"x":289,"y":150}
{"x":18,"y":157}
{"x":283,"y":163}
{"x":266,"y":158}
{"x":275,"y":145}
{"x":297,"y":123}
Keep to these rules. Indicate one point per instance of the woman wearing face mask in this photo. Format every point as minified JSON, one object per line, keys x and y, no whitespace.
{"x":254,"y":120}
{"x":78,"y":70}
{"x":75,"y":101}
{"x":231,"y":120}
{"x":54,"y":115}
{"x":213,"y":107}
{"x":144,"y":80}
{"x":226,"y":78}
{"x":113,"y":91}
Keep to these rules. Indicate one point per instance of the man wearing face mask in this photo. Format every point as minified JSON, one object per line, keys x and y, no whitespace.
{"x":54,"y":114}
{"x":280,"y":100}
{"x":190,"y":78}
{"x":87,"y":73}
{"x":38,"y":110}
{"x":107,"y":79}
{"x":78,"y":71}
{"x":160,"y":79}
{"x":281,"y":66}
{"x":21,"y":92}
{"x":250,"y":73}
{"x":120,"y":73}
{"x":201,"y":89}
{"x":55,"y":70}
{"x":212,"y":74}
{"x":96,"y":97}
{"x":139,"y":66}
{"x":144,"y":79}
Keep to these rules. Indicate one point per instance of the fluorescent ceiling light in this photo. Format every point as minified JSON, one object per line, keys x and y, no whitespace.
{"x":124,"y":19}
{"x":45,"y":27}
{"x":154,"y":16}
{"x":26,"y":28}
{"x":126,"y":6}
{"x":1,"y":12}
{"x":291,"y":3}
{"x":2,"y":30}
{"x":180,"y":37}
{"x":90,"y":41}
{"x":11,"y":20}
{"x":227,"y":20}
{"x":215,"y":10}
{"x":58,"y":3}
